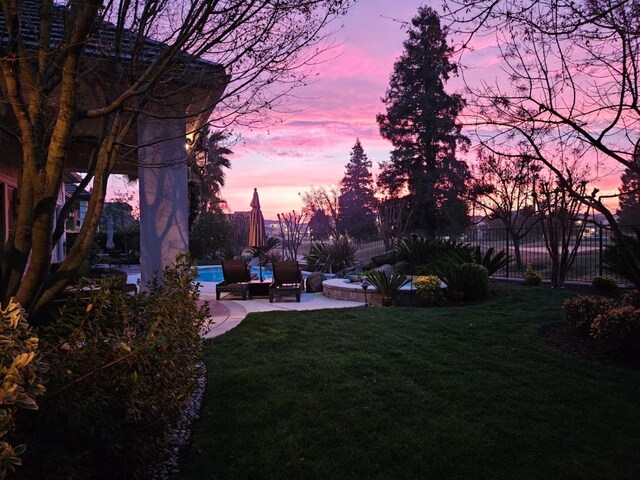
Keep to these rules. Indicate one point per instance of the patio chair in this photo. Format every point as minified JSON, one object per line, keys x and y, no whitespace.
{"x":236,"y":276}
{"x":287,"y":280}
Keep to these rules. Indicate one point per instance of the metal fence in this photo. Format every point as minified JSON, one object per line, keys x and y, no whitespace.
{"x":588,"y":262}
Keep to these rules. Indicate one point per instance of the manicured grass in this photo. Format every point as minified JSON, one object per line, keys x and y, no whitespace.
{"x":398,"y":393}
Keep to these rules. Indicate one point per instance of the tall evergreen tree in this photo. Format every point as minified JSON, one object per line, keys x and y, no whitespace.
{"x":356,"y":203}
{"x":629,"y":207}
{"x":421,"y":123}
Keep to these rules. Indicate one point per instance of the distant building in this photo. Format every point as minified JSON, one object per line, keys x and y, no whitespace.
{"x":79,"y":209}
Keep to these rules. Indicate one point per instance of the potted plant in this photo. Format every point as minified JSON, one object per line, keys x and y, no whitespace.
{"x":387,"y":285}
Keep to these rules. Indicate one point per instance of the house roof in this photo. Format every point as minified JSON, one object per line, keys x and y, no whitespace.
{"x":70,"y":188}
{"x":100,"y":44}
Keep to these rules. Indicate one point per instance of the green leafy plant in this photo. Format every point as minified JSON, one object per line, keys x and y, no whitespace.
{"x":468,"y":281}
{"x":619,"y":258}
{"x":419,"y":251}
{"x":267,"y":253}
{"x":531,"y":277}
{"x":331,"y":257}
{"x":427,"y":253}
{"x":21,"y":369}
{"x":387,"y":285}
{"x":580,"y":312}
{"x":429,"y":291}
{"x":618,"y":330}
{"x":605,"y":284}
{"x":122,"y":368}
{"x":493,"y":261}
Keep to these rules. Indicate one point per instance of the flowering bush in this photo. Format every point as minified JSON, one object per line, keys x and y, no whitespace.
{"x":618,"y":330}
{"x":20,"y":378}
{"x":429,"y":291}
{"x":580,"y":312}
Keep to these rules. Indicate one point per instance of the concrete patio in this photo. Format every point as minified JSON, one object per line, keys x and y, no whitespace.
{"x":231,"y":310}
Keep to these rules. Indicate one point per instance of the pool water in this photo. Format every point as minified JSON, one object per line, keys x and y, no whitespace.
{"x":214,"y":273}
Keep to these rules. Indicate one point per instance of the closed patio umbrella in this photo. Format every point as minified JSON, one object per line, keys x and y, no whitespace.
{"x":256,"y":225}
{"x":110,"y":245}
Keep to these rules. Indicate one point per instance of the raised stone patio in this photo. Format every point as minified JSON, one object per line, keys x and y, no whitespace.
{"x":343,"y":289}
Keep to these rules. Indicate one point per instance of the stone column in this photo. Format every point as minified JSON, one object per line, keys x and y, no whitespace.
{"x":164,"y":215}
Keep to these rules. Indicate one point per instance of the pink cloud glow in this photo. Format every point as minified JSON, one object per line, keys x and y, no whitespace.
{"x":311,"y":145}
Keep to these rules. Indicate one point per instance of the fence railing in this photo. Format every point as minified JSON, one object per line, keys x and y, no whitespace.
{"x":528,"y":250}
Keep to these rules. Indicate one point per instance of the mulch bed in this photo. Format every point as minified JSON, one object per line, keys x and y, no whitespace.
{"x":562,"y":338}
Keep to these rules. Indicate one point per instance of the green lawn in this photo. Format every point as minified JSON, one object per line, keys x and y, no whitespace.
{"x":398,"y":393}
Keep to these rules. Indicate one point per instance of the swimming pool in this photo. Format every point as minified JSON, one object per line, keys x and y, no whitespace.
{"x":213,"y":273}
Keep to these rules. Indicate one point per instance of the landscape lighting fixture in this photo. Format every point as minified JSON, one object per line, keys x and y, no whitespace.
{"x":201,"y":152}
{"x":364,"y":286}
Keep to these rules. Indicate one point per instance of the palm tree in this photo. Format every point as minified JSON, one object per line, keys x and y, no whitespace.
{"x":213,"y":176}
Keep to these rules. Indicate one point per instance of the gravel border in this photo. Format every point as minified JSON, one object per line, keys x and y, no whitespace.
{"x":168,"y":465}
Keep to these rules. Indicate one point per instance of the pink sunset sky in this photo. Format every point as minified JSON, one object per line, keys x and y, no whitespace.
{"x":311,"y":145}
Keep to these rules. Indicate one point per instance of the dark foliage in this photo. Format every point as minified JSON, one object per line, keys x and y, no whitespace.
{"x":210,"y":234}
{"x":331,"y":257}
{"x":604,"y":284}
{"x":320,"y":228}
{"x":121,"y":369}
{"x":466,"y":281}
{"x":356,"y":203}
{"x":421,"y":123}
{"x":629,"y":206}
{"x":620,"y":258}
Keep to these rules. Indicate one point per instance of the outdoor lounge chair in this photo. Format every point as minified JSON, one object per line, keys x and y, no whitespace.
{"x":287,"y":280}
{"x":237,"y":276}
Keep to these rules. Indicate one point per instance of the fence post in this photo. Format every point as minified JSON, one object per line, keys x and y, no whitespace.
{"x":600,"y":252}
{"x":506,"y":237}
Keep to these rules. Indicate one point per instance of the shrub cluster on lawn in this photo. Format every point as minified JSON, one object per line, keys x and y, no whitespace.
{"x":613,"y":324}
{"x":466,"y":281}
{"x":427,"y":254}
{"x":464,"y":268}
{"x":604,"y":284}
{"x":579,"y":312}
{"x":429,"y":291}
{"x":531,"y":277}
{"x":121,"y":369}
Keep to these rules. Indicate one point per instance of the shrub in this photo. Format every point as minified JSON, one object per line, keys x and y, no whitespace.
{"x":419,"y":251}
{"x":122,"y":368}
{"x":619,"y":258}
{"x":531,"y":277}
{"x":469,"y":281}
{"x":331,"y":257}
{"x":618,"y":330}
{"x":20,"y":378}
{"x":632,"y":297}
{"x":580,"y":312}
{"x":387,"y":285}
{"x":429,"y":291}
{"x":604,"y":284}
{"x":475,"y":281}
{"x":491,"y":260}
